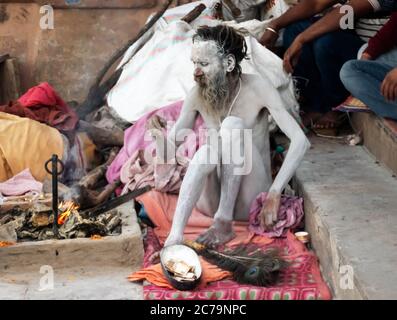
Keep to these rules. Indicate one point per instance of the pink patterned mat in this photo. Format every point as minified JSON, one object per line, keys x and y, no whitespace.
{"x":301,"y":281}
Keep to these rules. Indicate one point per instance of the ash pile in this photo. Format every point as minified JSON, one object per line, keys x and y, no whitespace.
{"x":36,"y":223}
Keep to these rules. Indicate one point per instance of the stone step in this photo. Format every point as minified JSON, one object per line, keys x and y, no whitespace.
{"x":380,"y":137}
{"x":351,"y":214}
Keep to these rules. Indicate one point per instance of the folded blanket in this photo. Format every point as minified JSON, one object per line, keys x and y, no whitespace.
{"x":20,"y":184}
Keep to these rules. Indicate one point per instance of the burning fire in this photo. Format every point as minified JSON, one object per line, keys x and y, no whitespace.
{"x":66,"y":207}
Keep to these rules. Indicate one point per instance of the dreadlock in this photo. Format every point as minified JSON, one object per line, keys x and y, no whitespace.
{"x":228,"y":41}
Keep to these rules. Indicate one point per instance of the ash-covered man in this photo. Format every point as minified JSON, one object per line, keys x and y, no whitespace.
{"x":230,"y":103}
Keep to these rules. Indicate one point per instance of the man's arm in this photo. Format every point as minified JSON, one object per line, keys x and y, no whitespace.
{"x":303,"y":10}
{"x":175,"y":137}
{"x":384,"y":40}
{"x":299,"y":144}
{"x":186,"y":118}
{"x":328,"y":23}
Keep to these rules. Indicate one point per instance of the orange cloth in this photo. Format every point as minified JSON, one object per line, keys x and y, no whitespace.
{"x":160,"y":208}
{"x":154,"y":274}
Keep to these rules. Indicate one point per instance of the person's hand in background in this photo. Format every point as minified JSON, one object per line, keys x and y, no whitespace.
{"x":365,"y":56}
{"x":389,"y":86}
{"x":269,"y":38}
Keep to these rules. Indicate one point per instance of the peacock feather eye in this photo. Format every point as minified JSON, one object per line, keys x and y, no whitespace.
{"x":252,"y":271}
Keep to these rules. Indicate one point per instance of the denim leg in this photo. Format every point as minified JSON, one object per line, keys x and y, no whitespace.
{"x":331,"y":52}
{"x":363,"y":79}
{"x":388,"y":5}
{"x":389,"y":58}
{"x":306,"y":74}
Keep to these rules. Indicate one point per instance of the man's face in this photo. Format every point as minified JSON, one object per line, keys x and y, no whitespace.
{"x":208,"y":62}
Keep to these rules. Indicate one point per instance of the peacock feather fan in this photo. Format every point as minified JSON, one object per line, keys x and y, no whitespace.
{"x":249,"y":264}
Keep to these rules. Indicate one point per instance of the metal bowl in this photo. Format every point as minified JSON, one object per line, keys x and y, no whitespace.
{"x":183,"y":253}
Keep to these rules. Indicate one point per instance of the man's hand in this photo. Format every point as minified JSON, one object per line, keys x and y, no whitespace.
{"x":389,"y":86}
{"x":365,"y":56}
{"x":269,"y":212}
{"x":292,"y":55}
{"x":156,"y":122}
{"x":269,"y":39}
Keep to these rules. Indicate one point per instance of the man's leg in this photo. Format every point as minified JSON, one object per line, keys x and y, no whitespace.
{"x":331,"y":51}
{"x":389,"y":58}
{"x":363,"y":79}
{"x":192,"y":187}
{"x":231,"y":136}
{"x":306,"y":73}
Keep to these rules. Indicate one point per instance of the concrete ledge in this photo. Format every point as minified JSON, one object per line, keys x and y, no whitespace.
{"x":350,"y":207}
{"x":82,"y":268}
{"x":380,"y":137}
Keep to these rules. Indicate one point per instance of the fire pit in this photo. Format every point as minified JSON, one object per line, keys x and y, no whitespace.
{"x":36,"y":223}
{"x":77,"y":264}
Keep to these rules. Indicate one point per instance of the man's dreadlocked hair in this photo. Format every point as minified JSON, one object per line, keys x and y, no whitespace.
{"x":228,"y":40}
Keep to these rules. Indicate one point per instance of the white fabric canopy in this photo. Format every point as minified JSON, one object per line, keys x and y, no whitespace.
{"x":161,"y":72}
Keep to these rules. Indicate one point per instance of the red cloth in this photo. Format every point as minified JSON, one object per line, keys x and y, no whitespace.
{"x":42,"y":103}
{"x":385,"y":39}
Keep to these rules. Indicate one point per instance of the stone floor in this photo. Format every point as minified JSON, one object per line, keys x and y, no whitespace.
{"x":106,"y":283}
{"x":350,"y":212}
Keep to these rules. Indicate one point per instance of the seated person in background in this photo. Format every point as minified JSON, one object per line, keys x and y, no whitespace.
{"x":315,"y":55}
{"x":375,"y":82}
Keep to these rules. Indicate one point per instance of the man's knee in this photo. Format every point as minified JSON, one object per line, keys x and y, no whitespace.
{"x":207,"y":156}
{"x":324,"y":46}
{"x":231,"y":123}
{"x":349,"y":70}
{"x":293,"y":30}
{"x":351,"y":74}
{"x":231,"y":130}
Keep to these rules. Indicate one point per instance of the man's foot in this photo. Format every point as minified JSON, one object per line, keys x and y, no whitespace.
{"x":172,"y":240}
{"x":330,"y":120}
{"x":220,"y":233}
{"x":308,"y":118}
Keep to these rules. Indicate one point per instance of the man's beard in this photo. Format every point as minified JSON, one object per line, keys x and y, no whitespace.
{"x":215,"y":92}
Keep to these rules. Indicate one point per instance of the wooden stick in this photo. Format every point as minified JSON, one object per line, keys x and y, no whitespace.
{"x":101,"y":136}
{"x":195,"y":13}
{"x":111,"y":204}
{"x":90,"y":180}
{"x":236,"y":12}
{"x":218,"y":14}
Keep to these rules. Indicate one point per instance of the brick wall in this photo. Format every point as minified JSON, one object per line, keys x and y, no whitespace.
{"x":86,"y":33}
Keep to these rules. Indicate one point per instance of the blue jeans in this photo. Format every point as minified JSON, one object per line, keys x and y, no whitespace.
{"x":317,"y":71}
{"x":388,"y":5}
{"x":364,"y":78}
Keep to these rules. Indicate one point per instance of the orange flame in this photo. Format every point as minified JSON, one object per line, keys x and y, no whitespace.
{"x":67,"y":208}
